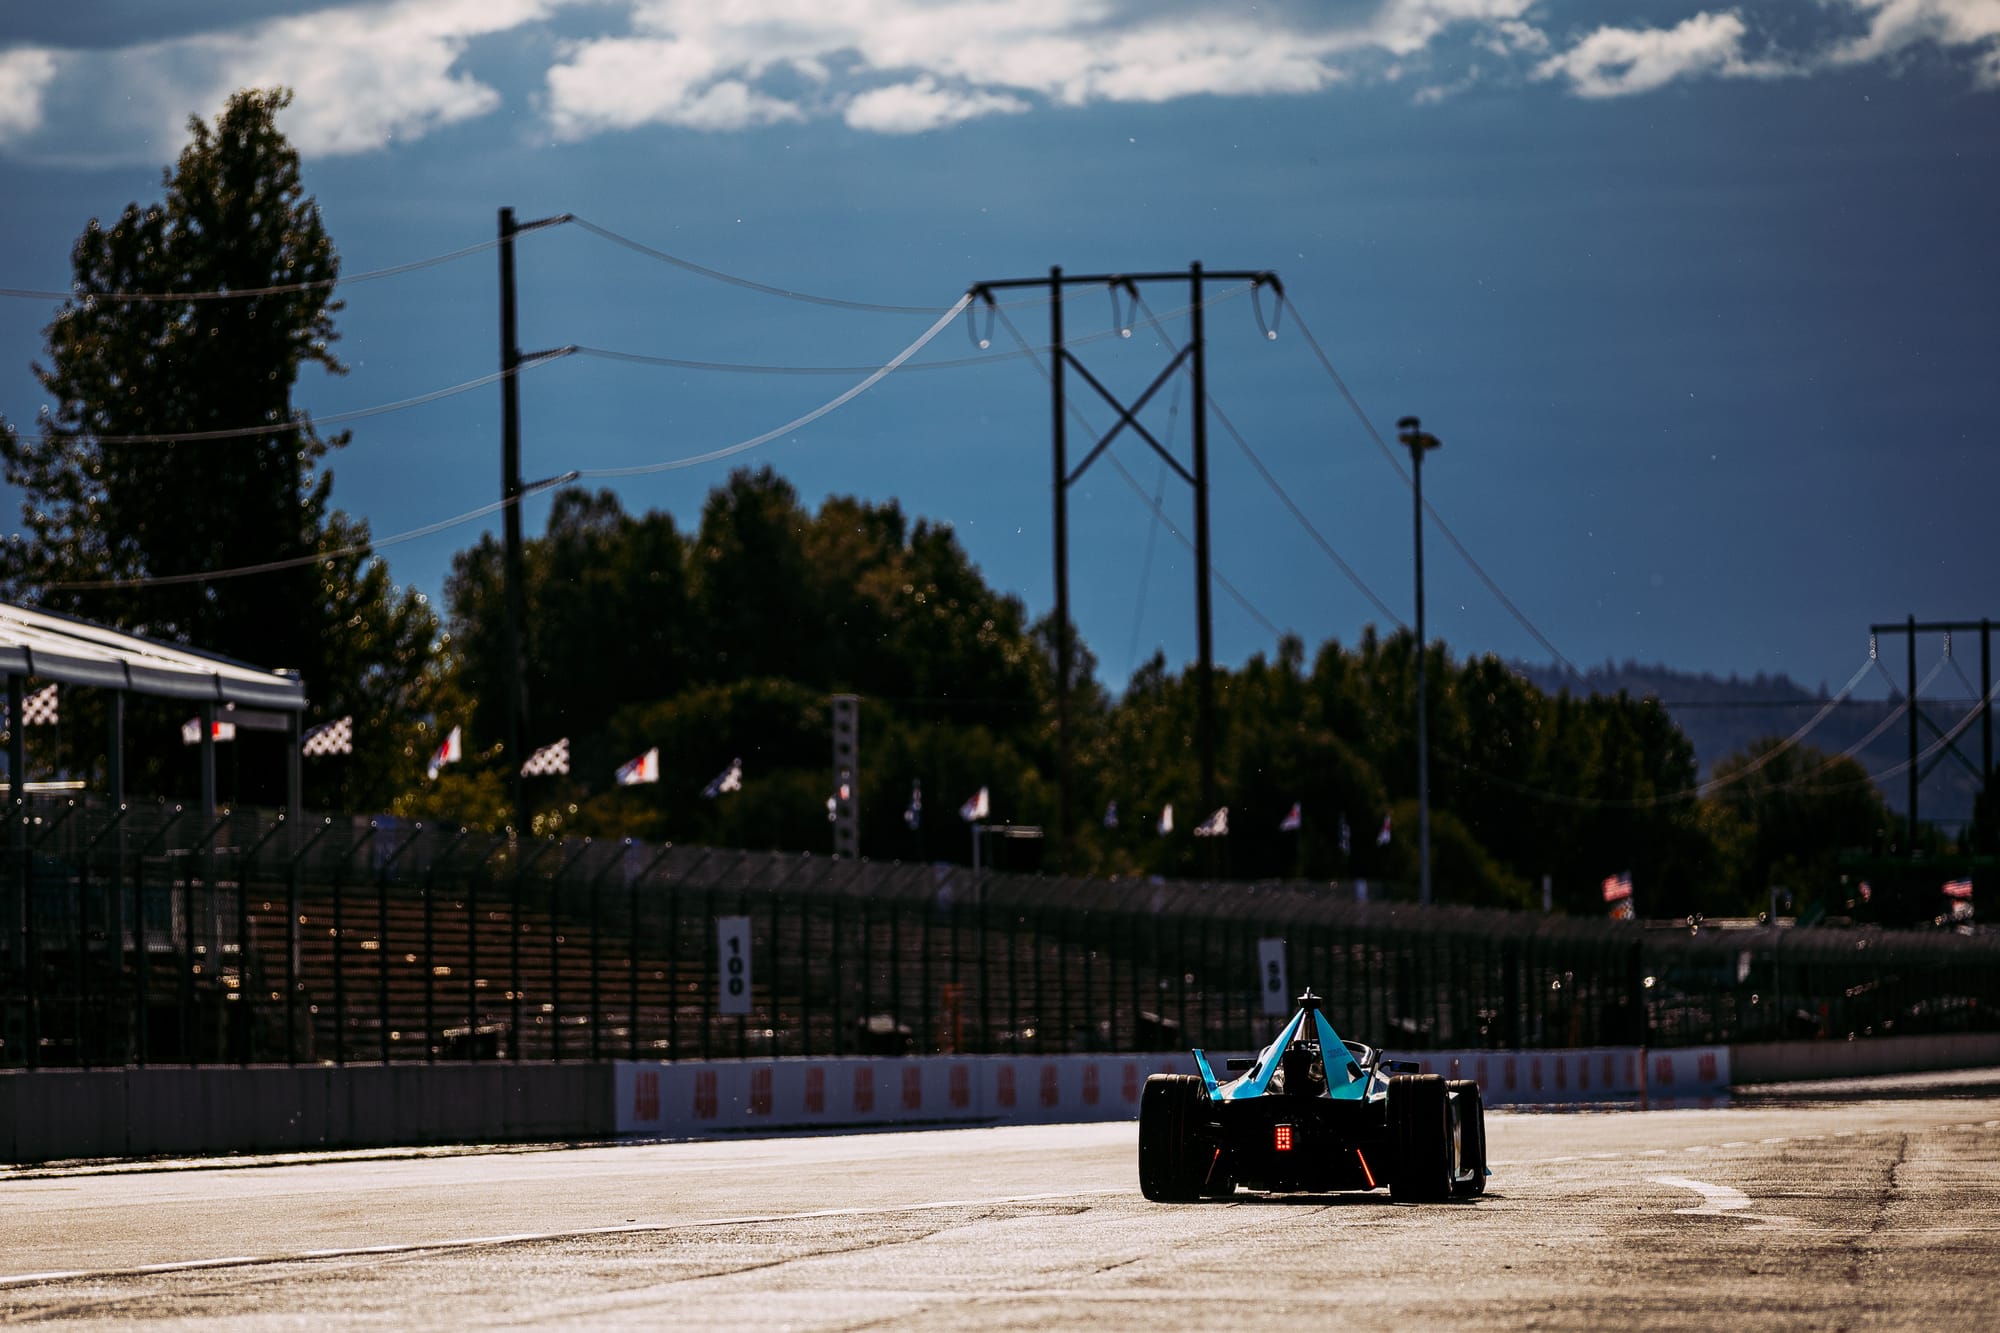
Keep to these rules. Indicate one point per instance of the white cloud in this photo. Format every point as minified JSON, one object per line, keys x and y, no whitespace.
{"x":911,"y":108}
{"x":363,"y":75}
{"x":621,"y":83}
{"x":906,"y":65}
{"x":24,"y":75}
{"x":1894,"y":25}
{"x":367,"y":73}
{"x":1616,"y":62}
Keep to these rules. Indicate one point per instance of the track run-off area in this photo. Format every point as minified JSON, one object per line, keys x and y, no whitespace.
{"x":1861,"y":1205}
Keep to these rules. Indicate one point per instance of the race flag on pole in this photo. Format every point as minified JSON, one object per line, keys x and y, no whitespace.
{"x":450,"y":752}
{"x":1215,"y":826}
{"x":1382,"y":838}
{"x":551,"y":760}
{"x":37,"y":709}
{"x":1960,"y":893}
{"x":913,"y":814}
{"x":335,"y":737}
{"x":1618,"y":892}
{"x":1111,"y":815}
{"x":1346,"y":838}
{"x":1166,"y":819}
{"x":1290,"y":823}
{"x":729,"y":779}
{"x":646,"y":768}
{"x":977,"y":808}
{"x":191,"y":731}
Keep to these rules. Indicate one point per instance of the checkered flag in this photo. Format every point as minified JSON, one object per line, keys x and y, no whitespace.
{"x":549,"y":761}
{"x":335,"y":737}
{"x":37,"y":709}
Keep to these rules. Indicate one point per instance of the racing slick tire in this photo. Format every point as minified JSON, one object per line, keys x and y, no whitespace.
{"x":1172,"y":1162}
{"x":1470,"y":1181}
{"x":1420,"y":1128}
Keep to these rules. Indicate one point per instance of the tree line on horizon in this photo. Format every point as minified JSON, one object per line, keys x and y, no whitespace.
{"x":725,"y":641}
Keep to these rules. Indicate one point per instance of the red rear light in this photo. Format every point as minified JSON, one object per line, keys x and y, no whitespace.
{"x":1283,"y":1142}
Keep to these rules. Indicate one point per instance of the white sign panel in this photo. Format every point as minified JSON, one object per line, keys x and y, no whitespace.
{"x":732,"y":956}
{"x":1271,"y":978}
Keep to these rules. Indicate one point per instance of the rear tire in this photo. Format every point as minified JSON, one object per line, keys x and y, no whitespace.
{"x":1470,"y":1182}
{"x":1173,"y":1164}
{"x":1420,"y":1128}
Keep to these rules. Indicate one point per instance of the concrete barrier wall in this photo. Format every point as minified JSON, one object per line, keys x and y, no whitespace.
{"x":659,"y":1099}
{"x":1787,"y":1061}
{"x":65,"y":1114}
{"x":62,"y":1114}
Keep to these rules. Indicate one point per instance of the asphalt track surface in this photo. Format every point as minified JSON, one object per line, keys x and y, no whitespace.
{"x":1876,"y":1209}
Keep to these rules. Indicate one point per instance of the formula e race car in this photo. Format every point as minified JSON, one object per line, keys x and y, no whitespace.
{"x":1312,"y":1113}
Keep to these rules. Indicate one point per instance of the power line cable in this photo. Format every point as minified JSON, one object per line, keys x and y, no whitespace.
{"x":748,"y":284}
{"x":1443,"y":527}
{"x":768,"y":368}
{"x":276,"y":289}
{"x":360,"y":548}
{"x":1797,"y":736}
{"x":1808,"y":780}
{"x":331,"y":418}
{"x":1277,"y":489}
{"x":875,"y":377}
{"x":484,"y":510}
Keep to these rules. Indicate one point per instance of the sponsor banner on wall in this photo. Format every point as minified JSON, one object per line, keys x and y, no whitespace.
{"x":672,"y":1100}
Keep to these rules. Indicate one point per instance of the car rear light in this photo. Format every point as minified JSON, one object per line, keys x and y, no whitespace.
{"x":1283,"y":1139}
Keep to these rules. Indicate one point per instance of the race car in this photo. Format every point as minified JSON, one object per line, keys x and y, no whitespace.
{"x":1312,"y":1113}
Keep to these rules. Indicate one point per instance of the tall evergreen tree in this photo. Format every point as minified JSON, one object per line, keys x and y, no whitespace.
{"x":193,"y":317}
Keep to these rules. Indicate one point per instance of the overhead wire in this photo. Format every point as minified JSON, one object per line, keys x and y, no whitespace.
{"x":1809,"y":779}
{"x":275,"y":289}
{"x":1466,"y":555}
{"x":331,"y":418}
{"x":875,"y":377}
{"x":428,"y":529}
{"x":768,"y":368}
{"x":1277,"y":488}
{"x":747,"y":284}
{"x":295,"y":562}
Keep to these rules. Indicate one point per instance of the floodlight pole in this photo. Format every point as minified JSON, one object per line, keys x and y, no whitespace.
{"x":1419,"y":442}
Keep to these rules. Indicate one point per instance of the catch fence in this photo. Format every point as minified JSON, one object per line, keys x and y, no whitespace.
{"x":139,"y":936}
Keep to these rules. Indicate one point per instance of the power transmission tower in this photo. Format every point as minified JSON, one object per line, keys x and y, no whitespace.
{"x":1949,"y":744}
{"x":1194,"y":355}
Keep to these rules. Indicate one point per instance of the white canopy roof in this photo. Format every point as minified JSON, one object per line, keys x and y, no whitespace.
{"x":77,"y":652}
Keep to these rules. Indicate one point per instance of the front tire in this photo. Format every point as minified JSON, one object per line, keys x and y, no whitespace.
{"x":1420,"y":1127}
{"x":1470,"y":1181}
{"x":1172,"y":1165}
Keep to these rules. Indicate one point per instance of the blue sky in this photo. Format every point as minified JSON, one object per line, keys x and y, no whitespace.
{"x":1700,"y":300}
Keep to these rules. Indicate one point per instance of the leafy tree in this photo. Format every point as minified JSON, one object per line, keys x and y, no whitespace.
{"x":1784,"y":816}
{"x":109,"y":502}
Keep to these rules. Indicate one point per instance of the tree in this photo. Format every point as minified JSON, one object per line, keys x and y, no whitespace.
{"x":1782,"y":817}
{"x":195,"y":316}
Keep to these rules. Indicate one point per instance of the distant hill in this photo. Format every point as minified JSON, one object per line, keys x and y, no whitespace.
{"x":1722,"y":716}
